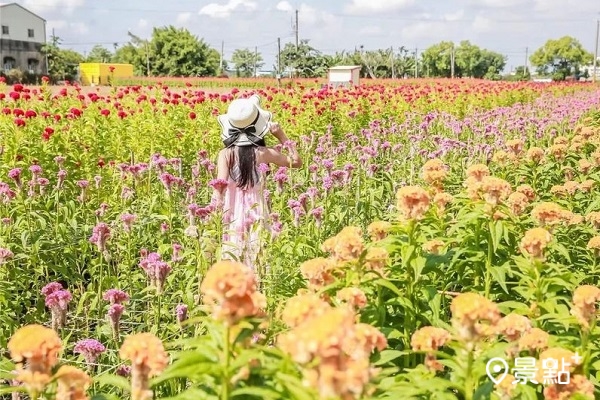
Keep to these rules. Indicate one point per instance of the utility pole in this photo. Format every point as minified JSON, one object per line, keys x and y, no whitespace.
{"x":416,"y":63}
{"x":255,"y":59}
{"x":392,"y":60}
{"x":526,"y":60}
{"x":147,"y":58}
{"x":452,"y":61}
{"x":278,"y":62}
{"x":596,"y":51}
{"x":296,"y":30}
{"x":221,"y":61}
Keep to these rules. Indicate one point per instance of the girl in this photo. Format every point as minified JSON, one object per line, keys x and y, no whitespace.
{"x":243,"y":202}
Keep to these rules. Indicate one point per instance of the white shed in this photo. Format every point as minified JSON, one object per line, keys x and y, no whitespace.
{"x":344,"y":75}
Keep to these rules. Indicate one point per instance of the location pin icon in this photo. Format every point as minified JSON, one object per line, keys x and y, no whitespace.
{"x":496,"y":369}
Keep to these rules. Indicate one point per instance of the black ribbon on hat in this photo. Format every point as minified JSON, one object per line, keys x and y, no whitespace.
{"x":250,"y":131}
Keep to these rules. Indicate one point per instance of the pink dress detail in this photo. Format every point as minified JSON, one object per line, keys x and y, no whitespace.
{"x":244,"y":218}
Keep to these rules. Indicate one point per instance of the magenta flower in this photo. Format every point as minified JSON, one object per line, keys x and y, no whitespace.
{"x":5,"y":255}
{"x":218,"y":184}
{"x":100,"y":235}
{"x":156,"y":269}
{"x":263,"y":168}
{"x":36,"y":170}
{"x":176,"y":257}
{"x":164,"y":227}
{"x":57,"y":301}
{"x":115,"y":311}
{"x":15,"y":174}
{"x":123,"y":370}
{"x":168,"y":181}
{"x":62,"y":174}
{"x":317,"y":213}
{"x":59,"y":160}
{"x":83,"y":183}
{"x":90,"y":349}
{"x":97,"y":180}
{"x":128,"y":220}
{"x":181,"y":313}
{"x":115,"y":296}
{"x":51,"y":288}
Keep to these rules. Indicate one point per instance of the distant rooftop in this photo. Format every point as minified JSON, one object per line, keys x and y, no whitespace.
{"x":18,"y":5}
{"x":345,"y":67}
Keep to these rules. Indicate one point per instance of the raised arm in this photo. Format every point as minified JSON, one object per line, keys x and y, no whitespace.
{"x":222,"y":173}
{"x":276,"y":157}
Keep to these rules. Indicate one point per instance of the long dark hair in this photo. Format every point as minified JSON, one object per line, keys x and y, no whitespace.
{"x":246,"y":159}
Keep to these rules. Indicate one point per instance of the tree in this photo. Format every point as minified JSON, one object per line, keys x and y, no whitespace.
{"x":176,"y":52}
{"x":469,"y":61}
{"x":246,"y":62}
{"x":307,"y":61}
{"x":62,"y":64}
{"x":560,"y":57}
{"x":99,"y":54}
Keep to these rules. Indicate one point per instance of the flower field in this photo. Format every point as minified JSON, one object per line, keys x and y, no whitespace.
{"x":435,"y":225}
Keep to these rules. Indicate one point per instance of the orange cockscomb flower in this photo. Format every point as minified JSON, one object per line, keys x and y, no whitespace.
{"x":594,"y":218}
{"x":549,"y":214}
{"x":441,"y":200}
{"x":434,"y":172}
{"x":37,"y":346}
{"x":412,"y":202}
{"x":495,"y":190}
{"x":230,"y":288}
{"x":558,"y":151}
{"x":577,"y":385}
{"x":376,"y":260}
{"x":433,"y":246}
{"x":378,"y":230}
{"x":534,"y":339}
{"x":535,"y":154}
{"x":319,"y":272}
{"x":363,"y":341}
{"x":517,"y":202}
{"x":594,"y":244}
{"x":585,"y":166}
{"x":73,"y":383}
{"x":515,"y":146}
{"x":527,"y":190}
{"x":535,"y":242}
{"x":349,"y":244}
{"x":500,"y":157}
{"x":571,"y":187}
{"x":587,"y":185}
{"x":148,"y":358}
{"x":473,"y":316}
{"x":477,"y":172}
{"x":584,"y":304}
{"x":429,"y":339}
{"x":513,"y":326}
{"x":354,"y":297}
{"x":303,"y":307}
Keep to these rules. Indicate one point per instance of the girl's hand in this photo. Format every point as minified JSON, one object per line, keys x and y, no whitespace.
{"x":275,"y":127}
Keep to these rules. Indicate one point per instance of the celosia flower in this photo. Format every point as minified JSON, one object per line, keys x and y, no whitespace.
{"x":534,"y":339}
{"x":576,"y":385}
{"x":319,"y":272}
{"x":429,"y":338}
{"x":148,"y":358}
{"x":36,"y":346}
{"x":378,"y":230}
{"x":72,"y":383}
{"x":505,"y":388}
{"x":90,"y":349}
{"x":434,"y":172}
{"x":441,"y":200}
{"x":527,"y":191}
{"x":412,"y":202}
{"x":535,"y":154}
{"x":585,"y":298}
{"x":5,"y":255}
{"x":513,"y":326}
{"x":495,"y":190}
{"x":548,"y":214}
{"x":115,"y":311}
{"x":376,"y":260}
{"x":347,"y":245}
{"x":230,"y":288}
{"x":535,"y":242}
{"x":57,"y":301}
{"x":128,"y":220}
{"x":352,"y":296}
{"x":115,"y":296}
{"x":156,"y":269}
{"x":515,"y":146}
{"x":433,"y":246}
{"x":303,"y":307}
{"x":469,"y":310}
{"x":571,"y":362}
{"x":181,"y":313}
{"x":517,"y":202}
{"x":477,"y":172}
{"x":100,"y":235}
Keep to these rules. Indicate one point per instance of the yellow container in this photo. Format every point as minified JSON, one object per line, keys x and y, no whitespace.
{"x":103,"y":74}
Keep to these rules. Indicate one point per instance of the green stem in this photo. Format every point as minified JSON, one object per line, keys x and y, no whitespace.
{"x":225,"y":385}
{"x":488,"y":266}
{"x":468,"y":377}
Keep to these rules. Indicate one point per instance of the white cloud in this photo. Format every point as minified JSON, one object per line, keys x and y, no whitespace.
{"x":142,"y":23}
{"x":79,"y":28}
{"x":360,"y":7}
{"x":456,"y":16}
{"x":370,"y":31}
{"x":502,"y":3}
{"x":482,"y":24}
{"x":45,"y":6}
{"x":284,"y":6}
{"x":215,"y":10}
{"x":184,"y":18}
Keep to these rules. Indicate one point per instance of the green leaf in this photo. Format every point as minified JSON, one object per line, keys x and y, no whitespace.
{"x":261,"y":393}
{"x":113,"y":380}
{"x":388,"y":285}
{"x":388,"y":355}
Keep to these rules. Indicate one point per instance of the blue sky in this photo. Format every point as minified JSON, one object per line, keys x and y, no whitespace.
{"x":506,"y":26}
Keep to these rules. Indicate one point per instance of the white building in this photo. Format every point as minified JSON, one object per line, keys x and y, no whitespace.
{"x":344,"y":75}
{"x":22,"y":35}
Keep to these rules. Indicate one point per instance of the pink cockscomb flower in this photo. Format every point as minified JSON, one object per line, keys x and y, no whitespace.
{"x":115,"y":311}
{"x":218,"y":184}
{"x":128,"y":220}
{"x":51,"y":288}
{"x":100,"y":235}
{"x":58,"y":301}
{"x":5,"y":255}
{"x":90,"y":349}
{"x":181,"y":313}
{"x":115,"y":296}
{"x":156,"y":269}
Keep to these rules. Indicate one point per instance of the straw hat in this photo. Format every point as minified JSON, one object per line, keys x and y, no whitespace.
{"x":245,"y":123}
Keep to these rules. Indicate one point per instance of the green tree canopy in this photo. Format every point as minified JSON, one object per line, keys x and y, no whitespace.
{"x":246,"y":62}
{"x":62,"y":64}
{"x":469,"y":61}
{"x":99,"y":54}
{"x":560,"y":57}
{"x":307,"y":61}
